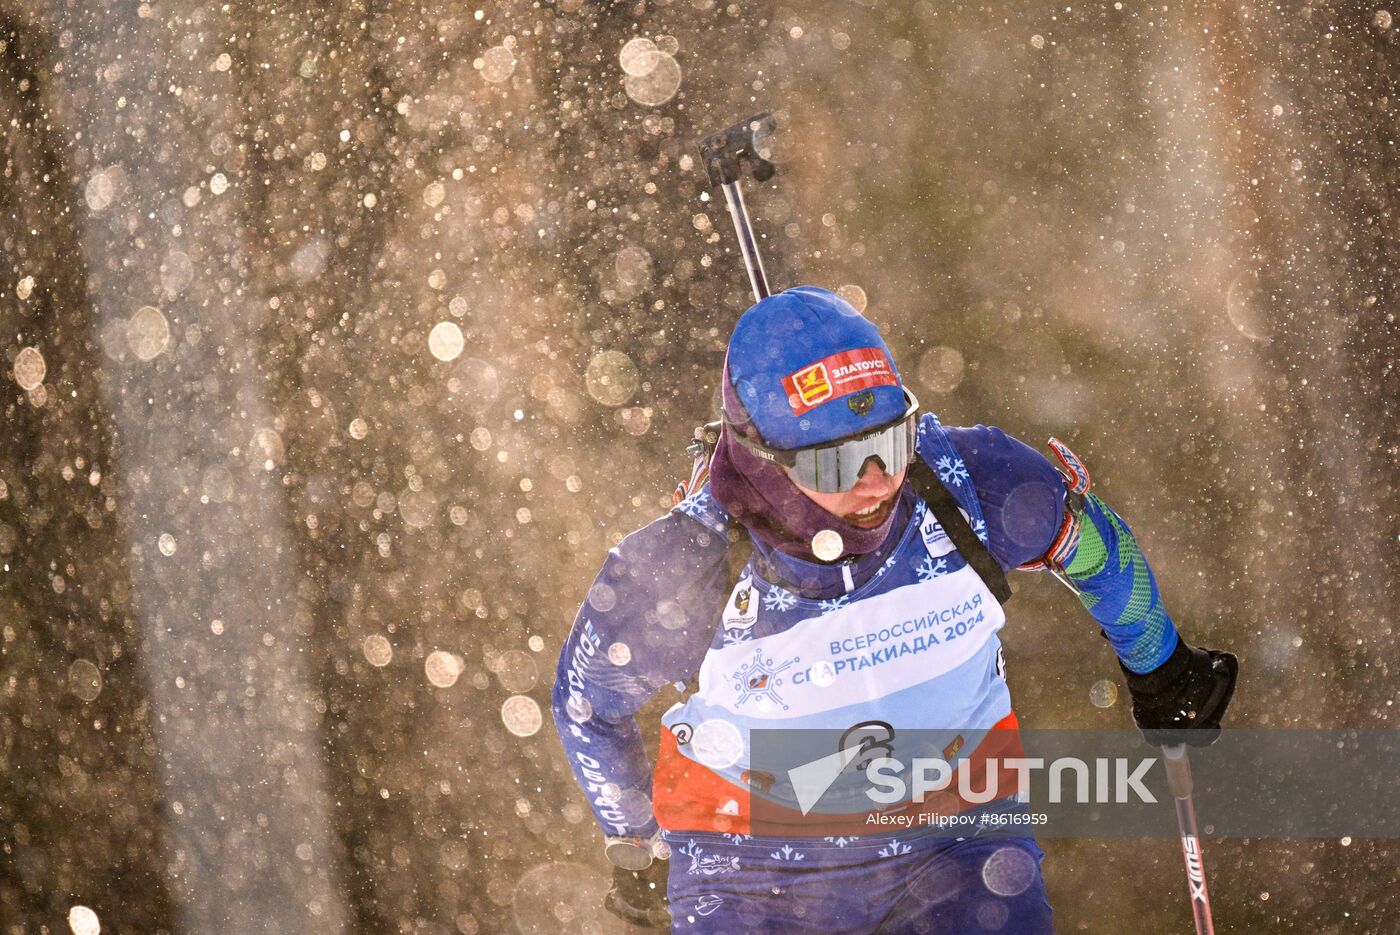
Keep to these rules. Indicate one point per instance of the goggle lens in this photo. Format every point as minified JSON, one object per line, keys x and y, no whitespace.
{"x":836,"y":467}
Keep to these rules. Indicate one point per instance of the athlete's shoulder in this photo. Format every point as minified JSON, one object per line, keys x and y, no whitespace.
{"x":674,"y":557}
{"x":994,"y":459}
{"x":678,"y":540}
{"x":1021,"y":492}
{"x":988,"y":450}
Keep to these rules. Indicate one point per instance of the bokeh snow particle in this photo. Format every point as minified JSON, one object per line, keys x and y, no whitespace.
{"x":578,"y":708}
{"x":855,"y":295}
{"x":632,"y":54}
{"x":941,"y":369}
{"x":633,"y":266}
{"x":601,"y":597}
{"x":378,"y":650}
{"x":147,"y":333}
{"x":1103,"y":693}
{"x":827,"y":545}
{"x":516,"y":671}
{"x":496,"y":64}
{"x":521,"y":715}
{"x":310,"y":260}
{"x":176,"y":273}
{"x":98,"y":191}
{"x":30,"y":368}
{"x":442,"y":668}
{"x":217,"y":484}
{"x":417,"y":507}
{"x":635,"y":420}
{"x":1009,"y":871}
{"x":656,"y":79}
{"x":1246,"y":305}
{"x":612,"y":378}
{"x":85,"y":679}
{"x":717,"y":744}
{"x":83,"y":921}
{"x":474,"y":383}
{"x":445,"y":341}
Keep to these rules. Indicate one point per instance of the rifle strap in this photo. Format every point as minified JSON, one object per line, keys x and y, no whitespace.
{"x":949,"y":515}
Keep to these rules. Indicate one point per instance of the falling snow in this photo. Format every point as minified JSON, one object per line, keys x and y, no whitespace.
{"x":342,"y":342}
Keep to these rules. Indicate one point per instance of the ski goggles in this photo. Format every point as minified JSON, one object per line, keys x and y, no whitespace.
{"x":835,"y":466}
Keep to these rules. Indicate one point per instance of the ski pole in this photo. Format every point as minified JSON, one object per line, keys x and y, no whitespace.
{"x":726,"y":155}
{"x":1178,"y":768}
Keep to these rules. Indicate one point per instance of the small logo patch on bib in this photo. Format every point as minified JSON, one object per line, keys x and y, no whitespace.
{"x":741,"y":612}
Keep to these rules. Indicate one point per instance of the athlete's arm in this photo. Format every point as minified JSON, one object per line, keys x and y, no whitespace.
{"x":1180,"y":692}
{"x":1024,"y":501}
{"x":638,"y":630}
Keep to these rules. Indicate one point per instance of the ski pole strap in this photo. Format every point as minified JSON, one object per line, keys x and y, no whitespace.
{"x":945,"y":509}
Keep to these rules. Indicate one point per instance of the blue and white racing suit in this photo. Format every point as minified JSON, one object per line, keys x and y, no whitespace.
{"x":904,"y":635}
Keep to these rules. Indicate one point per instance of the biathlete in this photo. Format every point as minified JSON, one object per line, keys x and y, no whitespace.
{"x":843,"y":566}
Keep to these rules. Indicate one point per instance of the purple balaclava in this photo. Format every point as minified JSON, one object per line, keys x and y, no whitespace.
{"x":803,"y":368}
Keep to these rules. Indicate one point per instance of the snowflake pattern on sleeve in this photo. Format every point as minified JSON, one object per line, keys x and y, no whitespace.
{"x":696,"y":505}
{"x":950,"y":472}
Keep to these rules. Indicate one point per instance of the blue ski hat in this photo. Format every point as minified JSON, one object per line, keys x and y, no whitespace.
{"x":808,"y":368}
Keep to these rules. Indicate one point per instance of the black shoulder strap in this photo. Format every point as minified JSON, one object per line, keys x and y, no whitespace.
{"x":945,"y":509}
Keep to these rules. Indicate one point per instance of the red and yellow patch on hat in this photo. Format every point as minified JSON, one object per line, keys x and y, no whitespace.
{"x":837,"y":376}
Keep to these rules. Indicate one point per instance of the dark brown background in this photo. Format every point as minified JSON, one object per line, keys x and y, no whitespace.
{"x":1162,"y":232}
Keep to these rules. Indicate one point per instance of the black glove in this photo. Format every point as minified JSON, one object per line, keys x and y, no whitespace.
{"x":639,"y":896}
{"x":1183,"y":699}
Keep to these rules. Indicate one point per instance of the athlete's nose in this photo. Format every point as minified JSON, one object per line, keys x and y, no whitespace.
{"x":873,"y":481}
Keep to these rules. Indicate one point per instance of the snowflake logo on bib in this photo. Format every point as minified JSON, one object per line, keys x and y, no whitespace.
{"x":778,"y":599}
{"x":760,"y":679}
{"x":931,"y":569}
